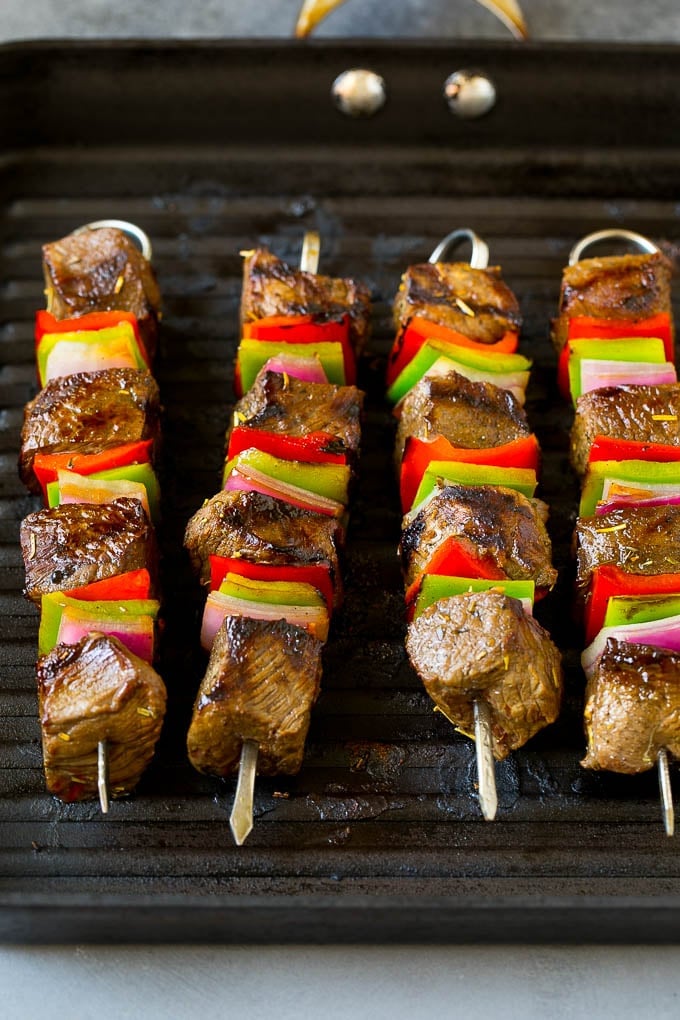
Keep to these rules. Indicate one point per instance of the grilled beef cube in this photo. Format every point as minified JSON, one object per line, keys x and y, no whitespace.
{"x":645,"y":414}
{"x":482,"y":645}
{"x":496,"y":524}
{"x":97,"y":691}
{"x":474,"y":302}
{"x":88,"y":412}
{"x":74,"y":544}
{"x":261,"y":682}
{"x":270,"y":287}
{"x":288,"y":406}
{"x":632,"y":708}
{"x":640,"y":540}
{"x":262,"y":529}
{"x":475,"y":415}
{"x":99,"y":271}
{"x":621,"y":287}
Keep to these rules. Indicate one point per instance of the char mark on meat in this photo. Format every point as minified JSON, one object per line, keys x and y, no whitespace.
{"x":97,"y":691}
{"x":75,"y":544}
{"x":261,"y":682}
{"x":270,"y":287}
{"x":482,"y":645}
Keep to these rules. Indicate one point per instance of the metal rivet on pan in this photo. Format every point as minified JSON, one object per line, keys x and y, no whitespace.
{"x":359,"y":92}
{"x":469,"y":94}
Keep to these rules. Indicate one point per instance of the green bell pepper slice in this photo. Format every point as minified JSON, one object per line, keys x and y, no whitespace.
{"x":521,"y":479}
{"x":636,"y":473}
{"x":625,"y":609}
{"x":650,"y":350}
{"x":329,"y":480}
{"x":54,"y":603}
{"x":275,"y":593}
{"x":253,"y":354}
{"x":143,"y":473}
{"x":436,"y":587}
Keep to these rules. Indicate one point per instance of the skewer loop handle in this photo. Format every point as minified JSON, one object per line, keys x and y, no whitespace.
{"x":479,"y":258}
{"x":615,"y":234}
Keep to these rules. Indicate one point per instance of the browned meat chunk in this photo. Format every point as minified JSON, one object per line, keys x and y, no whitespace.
{"x":628,"y":287}
{"x":475,"y":415}
{"x":261,"y":683}
{"x":632,"y":708}
{"x":645,"y":414}
{"x":88,"y":412}
{"x":484,"y":646}
{"x":640,"y":540}
{"x":97,"y":691}
{"x":75,"y":544}
{"x":261,"y":529}
{"x":288,"y":406}
{"x":474,"y":302}
{"x":99,"y":271}
{"x":270,"y":287}
{"x":495,"y":524}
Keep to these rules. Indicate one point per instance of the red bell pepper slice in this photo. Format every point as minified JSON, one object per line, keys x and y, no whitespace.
{"x":46,"y":465}
{"x":418,"y":330}
{"x":314,"y":448}
{"x":609,"y":580}
{"x":610,"y":448}
{"x":305,"y":329}
{"x":46,"y":323}
{"x":585,"y":327}
{"x":318,"y":576}
{"x":454,"y":558}
{"x":418,"y":453}
{"x":132,"y":585}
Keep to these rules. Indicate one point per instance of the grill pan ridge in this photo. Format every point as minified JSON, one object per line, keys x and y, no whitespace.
{"x":216,"y":147}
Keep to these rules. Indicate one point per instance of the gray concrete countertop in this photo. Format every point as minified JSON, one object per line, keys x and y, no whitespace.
{"x":405,"y":983}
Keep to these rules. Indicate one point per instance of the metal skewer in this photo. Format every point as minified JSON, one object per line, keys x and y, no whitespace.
{"x":131,"y":229}
{"x":486,"y":765}
{"x":666,"y":792}
{"x":241,"y":818}
{"x":103,"y":776}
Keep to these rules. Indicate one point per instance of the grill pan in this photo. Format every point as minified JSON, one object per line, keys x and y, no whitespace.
{"x":216,"y":147}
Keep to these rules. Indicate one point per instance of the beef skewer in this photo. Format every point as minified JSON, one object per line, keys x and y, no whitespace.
{"x":95,"y":419}
{"x":624,"y":422}
{"x":292,"y":451}
{"x":462,"y":440}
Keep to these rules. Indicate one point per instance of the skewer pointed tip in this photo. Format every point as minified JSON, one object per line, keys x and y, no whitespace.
{"x":666,"y":791}
{"x":241,"y":818}
{"x":486,"y":765}
{"x":103,"y":776}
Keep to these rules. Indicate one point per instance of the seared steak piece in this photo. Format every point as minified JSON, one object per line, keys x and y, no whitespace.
{"x":494,"y":523}
{"x":475,"y":415}
{"x":97,"y":691}
{"x":482,"y":645}
{"x":288,"y":406}
{"x":270,"y":287}
{"x":632,"y":708}
{"x":640,"y":540}
{"x":447,"y":292}
{"x":100,"y":271}
{"x":89,"y":412}
{"x":261,"y":682}
{"x":619,"y":287}
{"x":645,"y":414}
{"x":261,"y":529}
{"x":74,"y":544}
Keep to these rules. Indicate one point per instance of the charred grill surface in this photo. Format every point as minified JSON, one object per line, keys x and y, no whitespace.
{"x":500,"y":526}
{"x":270,"y":287}
{"x":269,"y":673}
{"x":483,"y":645}
{"x":88,"y":412}
{"x":475,"y":415}
{"x":74,"y":544}
{"x":487,"y":308}
{"x":99,"y":271}
{"x":632,"y":707}
{"x":286,"y":405}
{"x":640,"y":540}
{"x":618,"y":287}
{"x":645,"y":414}
{"x":97,"y":691}
{"x":262,"y":529}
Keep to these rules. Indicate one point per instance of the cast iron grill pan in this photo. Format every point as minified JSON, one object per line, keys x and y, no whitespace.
{"x":214,"y":148}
